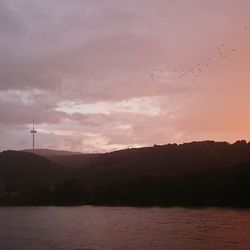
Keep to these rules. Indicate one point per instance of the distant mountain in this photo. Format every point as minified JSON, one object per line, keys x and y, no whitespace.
{"x":48,"y":152}
{"x":65,"y":158}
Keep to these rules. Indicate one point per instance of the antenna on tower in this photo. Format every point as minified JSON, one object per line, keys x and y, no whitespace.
{"x":33,"y":131}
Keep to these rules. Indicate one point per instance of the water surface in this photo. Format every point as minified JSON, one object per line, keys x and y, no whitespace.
{"x":96,"y":228}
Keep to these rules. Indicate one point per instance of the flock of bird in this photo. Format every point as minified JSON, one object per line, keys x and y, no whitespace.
{"x":190,"y":73}
{"x":193,"y":72}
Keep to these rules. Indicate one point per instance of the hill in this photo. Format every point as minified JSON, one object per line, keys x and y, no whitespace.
{"x":197,"y":173}
{"x":69,"y":159}
{"x":168,"y":160}
{"x":28,"y":177}
{"x":48,"y":152}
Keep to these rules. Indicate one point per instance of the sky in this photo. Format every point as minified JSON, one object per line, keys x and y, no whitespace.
{"x":98,"y":76}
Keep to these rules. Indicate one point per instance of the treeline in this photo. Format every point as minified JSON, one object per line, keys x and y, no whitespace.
{"x":199,"y":173}
{"x":213,"y":187}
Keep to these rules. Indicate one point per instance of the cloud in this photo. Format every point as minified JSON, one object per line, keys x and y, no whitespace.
{"x":145,"y":105}
{"x":82,"y":70}
{"x":21,"y":107}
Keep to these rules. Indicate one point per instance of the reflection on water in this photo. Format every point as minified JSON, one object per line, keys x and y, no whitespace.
{"x":88,"y":227}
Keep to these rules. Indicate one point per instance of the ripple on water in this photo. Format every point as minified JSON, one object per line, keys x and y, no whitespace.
{"x":120,"y":228}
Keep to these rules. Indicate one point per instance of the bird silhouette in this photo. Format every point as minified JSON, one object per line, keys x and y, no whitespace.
{"x":197,"y":69}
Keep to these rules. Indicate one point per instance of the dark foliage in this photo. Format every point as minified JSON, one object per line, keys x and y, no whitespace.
{"x":198,"y":173}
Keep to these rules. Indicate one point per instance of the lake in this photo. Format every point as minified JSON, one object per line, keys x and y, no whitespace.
{"x":96,"y":228}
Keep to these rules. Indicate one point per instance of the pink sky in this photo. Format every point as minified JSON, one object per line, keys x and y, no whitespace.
{"x":98,"y":76}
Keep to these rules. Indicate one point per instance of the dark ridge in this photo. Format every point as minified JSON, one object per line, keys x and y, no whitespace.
{"x":64,"y":158}
{"x":196,"y":173}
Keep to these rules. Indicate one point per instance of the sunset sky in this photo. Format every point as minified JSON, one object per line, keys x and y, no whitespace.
{"x":98,"y":76}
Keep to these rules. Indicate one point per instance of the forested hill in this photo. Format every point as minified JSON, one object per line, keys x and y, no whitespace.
{"x":27,"y":177}
{"x":192,"y":173}
{"x":198,"y":173}
{"x":74,"y":160}
{"x":171,"y":159}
